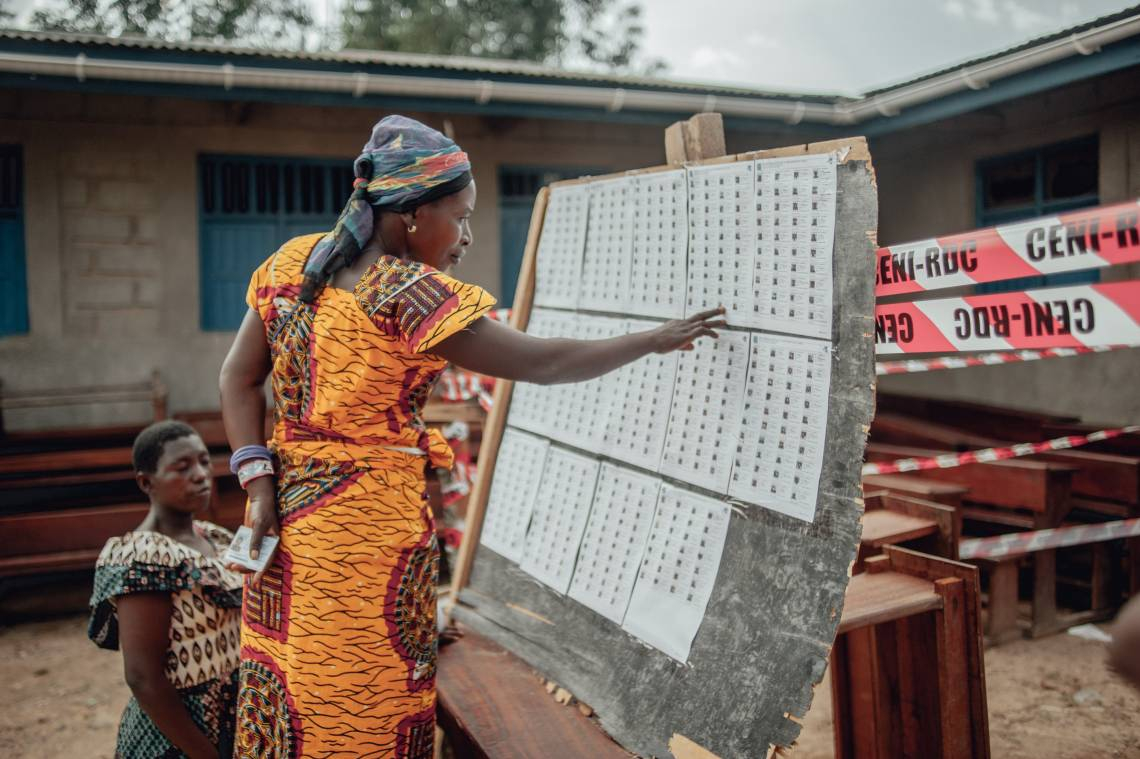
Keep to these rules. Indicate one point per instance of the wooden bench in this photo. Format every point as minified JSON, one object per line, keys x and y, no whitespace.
{"x":1004,"y":495}
{"x":62,"y":540}
{"x":946,"y":493}
{"x":67,"y":534}
{"x":1036,"y":494}
{"x":1022,"y":494}
{"x":152,"y":391}
{"x":1113,"y":477}
{"x":492,"y":705}
{"x":1127,"y":445}
{"x":907,"y":674}
{"x":990,"y":421}
{"x":1105,"y":485}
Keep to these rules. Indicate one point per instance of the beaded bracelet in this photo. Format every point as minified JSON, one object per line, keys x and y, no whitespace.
{"x":248,"y":452}
{"x":253,"y":469}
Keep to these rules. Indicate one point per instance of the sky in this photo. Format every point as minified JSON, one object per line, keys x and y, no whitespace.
{"x":844,"y":46}
{"x":831,"y":46}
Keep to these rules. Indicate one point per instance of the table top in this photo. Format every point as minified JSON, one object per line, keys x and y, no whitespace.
{"x":885,"y":527}
{"x":873,"y":598}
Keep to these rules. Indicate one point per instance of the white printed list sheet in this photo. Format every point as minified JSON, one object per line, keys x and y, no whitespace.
{"x":679,"y":570}
{"x":615,"y":491}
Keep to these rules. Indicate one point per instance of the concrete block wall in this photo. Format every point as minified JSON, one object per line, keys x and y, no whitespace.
{"x":112,"y":224}
{"x":110,"y":237}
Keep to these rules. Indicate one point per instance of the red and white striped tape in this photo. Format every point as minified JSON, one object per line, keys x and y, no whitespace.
{"x":458,"y":385}
{"x":1053,"y":317}
{"x":985,"y":455}
{"x":461,"y":385}
{"x":500,"y":315}
{"x":1016,"y":543}
{"x":1086,"y":239}
{"x":911,"y":366}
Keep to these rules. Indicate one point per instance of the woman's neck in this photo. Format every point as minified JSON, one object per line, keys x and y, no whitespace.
{"x":168,"y":521}
{"x":387,"y":240}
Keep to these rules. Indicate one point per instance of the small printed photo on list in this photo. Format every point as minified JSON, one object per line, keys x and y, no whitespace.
{"x":238,"y":552}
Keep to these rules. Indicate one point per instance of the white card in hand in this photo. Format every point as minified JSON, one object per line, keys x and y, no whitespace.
{"x":238,"y":552}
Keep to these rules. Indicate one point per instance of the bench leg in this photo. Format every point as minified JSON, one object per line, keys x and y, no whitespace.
{"x":1102,"y":590}
{"x":1133,"y":546}
{"x":841,"y":700}
{"x":1001,"y":623}
{"x":953,"y":674}
{"x":1045,"y":620}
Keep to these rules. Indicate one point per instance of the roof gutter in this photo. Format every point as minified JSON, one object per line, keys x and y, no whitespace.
{"x":978,"y":77}
{"x":359,"y":84}
{"x":482,"y":91}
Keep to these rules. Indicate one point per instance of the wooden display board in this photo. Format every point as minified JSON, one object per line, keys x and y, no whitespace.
{"x":773,"y":610}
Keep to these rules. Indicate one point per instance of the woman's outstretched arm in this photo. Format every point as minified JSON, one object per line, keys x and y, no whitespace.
{"x":499,"y":351}
{"x":241,"y":385}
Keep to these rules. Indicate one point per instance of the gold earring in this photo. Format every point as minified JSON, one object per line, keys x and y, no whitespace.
{"x":412,"y":229}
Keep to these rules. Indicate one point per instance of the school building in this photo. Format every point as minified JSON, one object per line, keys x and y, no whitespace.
{"x":141,"y":182}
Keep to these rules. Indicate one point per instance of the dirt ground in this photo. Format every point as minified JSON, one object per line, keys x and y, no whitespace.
{"x":1050,"y":697}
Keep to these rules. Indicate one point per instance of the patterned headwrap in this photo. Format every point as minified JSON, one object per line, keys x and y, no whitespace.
{"x":404,"y":165}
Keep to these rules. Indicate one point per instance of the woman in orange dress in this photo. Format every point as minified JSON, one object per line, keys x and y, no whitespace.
{"x":339,"y":632}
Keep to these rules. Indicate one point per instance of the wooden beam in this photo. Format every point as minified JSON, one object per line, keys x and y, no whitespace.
{"x":697,"y":139}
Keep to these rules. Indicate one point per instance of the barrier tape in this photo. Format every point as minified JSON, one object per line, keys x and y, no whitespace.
{"x":459,"y":385}
{"x":911,"y":366}
{"x":1086,"y":239}
{"x":1053,"y":317}
{"x":458,"y":483}
{"x":500,"y":315}
{"x":1016,"y":543}
{"x":986,"y":455}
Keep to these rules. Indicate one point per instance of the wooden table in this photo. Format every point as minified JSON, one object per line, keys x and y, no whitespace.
{"x":907,"y":676}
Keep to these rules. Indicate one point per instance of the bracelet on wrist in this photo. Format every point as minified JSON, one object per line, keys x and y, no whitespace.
{"x":248,"y":453}
{"x":254,"y":469}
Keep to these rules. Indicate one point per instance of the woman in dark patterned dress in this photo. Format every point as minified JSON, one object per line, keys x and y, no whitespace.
{"x":165,"y":599}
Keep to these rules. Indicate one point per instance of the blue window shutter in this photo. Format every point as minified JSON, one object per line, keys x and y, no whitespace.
{"x":13,"y":283}
{"x":514,"y":224}
{"x":1039,"y":206}
{"x":230,"y":253}
{"x":13,"y":268}
{"x":249,"y":206}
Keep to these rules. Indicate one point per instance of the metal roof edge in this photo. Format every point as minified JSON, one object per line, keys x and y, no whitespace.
{"x":440,"y":78}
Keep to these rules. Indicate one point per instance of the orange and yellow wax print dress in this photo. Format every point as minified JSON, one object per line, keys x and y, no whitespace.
{"x":339,"y":639}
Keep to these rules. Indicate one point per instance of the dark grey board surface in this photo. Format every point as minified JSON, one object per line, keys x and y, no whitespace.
{"x":772,"y":618}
